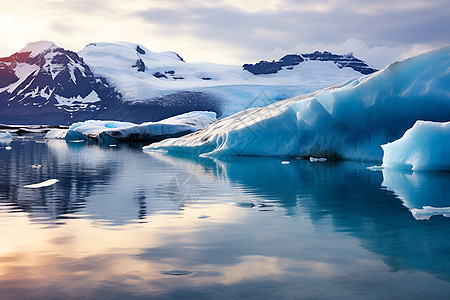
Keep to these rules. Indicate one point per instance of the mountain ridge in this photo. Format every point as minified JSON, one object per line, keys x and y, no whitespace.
{"x":46,"y":84}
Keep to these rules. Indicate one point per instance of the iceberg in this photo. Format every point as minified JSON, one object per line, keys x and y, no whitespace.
{"x":5,"y":135}
{"x":348,"y":121}
{"x":5,"y":139}
{"x":424,"y":147}
{"x":41,"y":184}
{"x":56,"y":133}
{"x":114,"y":131}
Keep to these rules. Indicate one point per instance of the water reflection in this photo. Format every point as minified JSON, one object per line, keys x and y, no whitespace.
{"x":94,"y":182}
{"x":294,"y":231}
{"x":356,"y":202}
{"x":425,"y":194}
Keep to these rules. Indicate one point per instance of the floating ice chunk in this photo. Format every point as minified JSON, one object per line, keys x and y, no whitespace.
{"x":113,"y":131}
{"x":37,"y":166}
{"x":424,"y":147}
{"x":5,"y":135}
{"x":42,"y":184}
{"x":375,"y":168}
{"x":76,"y":141}
{"x":317,"y":159}
{"x":428,"y":211}
{"x":56,"y":134}
{"x":92,"y":128}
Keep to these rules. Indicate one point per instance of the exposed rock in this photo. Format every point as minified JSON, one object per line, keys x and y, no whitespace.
{"x":291,"y":60}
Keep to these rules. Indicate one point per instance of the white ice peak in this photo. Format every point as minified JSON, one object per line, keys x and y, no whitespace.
{"x":38,"y":47}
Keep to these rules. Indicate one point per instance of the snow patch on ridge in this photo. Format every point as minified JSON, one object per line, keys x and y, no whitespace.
{"x":37,"y":48}
{"x":92,"y":97}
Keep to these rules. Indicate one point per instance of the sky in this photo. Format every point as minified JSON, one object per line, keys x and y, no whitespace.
{"x":233,"y":31}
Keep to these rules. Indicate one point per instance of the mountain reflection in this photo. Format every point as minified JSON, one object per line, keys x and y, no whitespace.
{"x":77,"y":174}
{"x":356,"y":202}
{"x":94,"y":182}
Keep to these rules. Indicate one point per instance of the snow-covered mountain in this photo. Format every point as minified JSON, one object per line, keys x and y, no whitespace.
{"x":122,"y":81}
{"x":45,"y":82}
{"x":289,"y":61}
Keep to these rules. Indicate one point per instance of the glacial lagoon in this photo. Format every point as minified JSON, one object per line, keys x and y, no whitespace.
{"x":123,"y":224}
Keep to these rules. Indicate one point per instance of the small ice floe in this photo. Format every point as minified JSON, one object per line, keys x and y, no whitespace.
{"x":375,"y":168}
{"x":37,"y":166}
{"x":428,"y":211}
{"x":177,"y":272}
{"x":5,"y":135}
{"x":285,"y":162}
{"x":42,"y":184}
{"x":317,"y":159}
{"x":204,"y":217}
{"x":76,"y":141}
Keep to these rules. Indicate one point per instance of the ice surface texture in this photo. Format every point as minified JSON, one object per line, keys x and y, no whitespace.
{"x":348,"y":121}
{"x":424,"y":147}
{"x":113,"y":131}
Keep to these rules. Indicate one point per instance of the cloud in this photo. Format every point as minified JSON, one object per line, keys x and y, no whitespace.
{"x":233,"y":31}
{"x":384,"y":26}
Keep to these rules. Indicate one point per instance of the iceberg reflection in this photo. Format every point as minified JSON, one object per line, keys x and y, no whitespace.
{"x":425,"y":194}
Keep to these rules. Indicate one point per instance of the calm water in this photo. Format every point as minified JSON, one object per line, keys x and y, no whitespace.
{"x":122,"y":224}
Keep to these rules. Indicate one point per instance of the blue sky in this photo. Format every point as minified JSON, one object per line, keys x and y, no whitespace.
{"x":233,"y":31}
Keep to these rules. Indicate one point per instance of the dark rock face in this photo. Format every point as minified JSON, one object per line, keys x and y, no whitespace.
{"x":56,"y":87}
{"x":51,"y":87}
{"x":342,"y":61}
{"x":291,"y":60}
{"x":140,"y":65}
{"x":159,"y":75}
{"x":265,"y":67}
{"x":140,"y":50}
{"x":179,"y":56}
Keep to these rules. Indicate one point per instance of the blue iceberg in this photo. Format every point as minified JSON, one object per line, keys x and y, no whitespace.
{"x":424,"y":147}
{"x":348,"y":121}
{"x":114,"y":131}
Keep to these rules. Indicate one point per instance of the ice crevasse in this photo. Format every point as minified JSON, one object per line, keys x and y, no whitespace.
{"x":348,"y":121}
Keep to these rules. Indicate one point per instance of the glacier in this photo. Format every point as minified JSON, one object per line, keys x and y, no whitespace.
{"x":141,"y":75}
{"x":46,"y":84}
{"x":424,"y":147}
{"x":347,"y":121}
{"x":114,"y":131}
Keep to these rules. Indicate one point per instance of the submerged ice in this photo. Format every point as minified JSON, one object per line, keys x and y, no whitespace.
{"x":348,"y":121}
